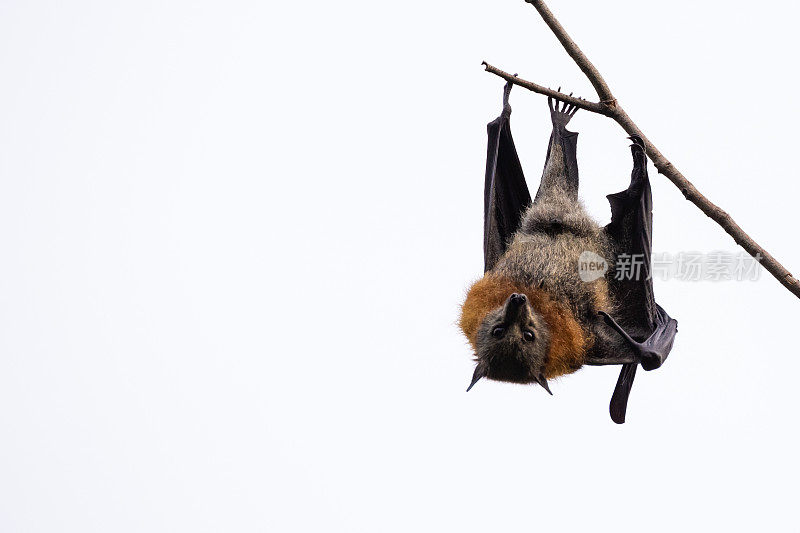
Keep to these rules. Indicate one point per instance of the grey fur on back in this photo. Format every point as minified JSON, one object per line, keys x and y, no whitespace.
{"x":544,"y":252}
{"x":556,"y":230}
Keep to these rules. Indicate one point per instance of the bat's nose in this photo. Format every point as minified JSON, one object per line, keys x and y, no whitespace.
{"x":518,"y":299}
{"x":514,"y":306}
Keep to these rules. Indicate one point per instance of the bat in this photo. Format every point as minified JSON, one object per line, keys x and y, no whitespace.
{"x":552,"y":299}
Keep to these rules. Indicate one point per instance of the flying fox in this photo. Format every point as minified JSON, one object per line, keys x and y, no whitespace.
{"x":551,"y":300}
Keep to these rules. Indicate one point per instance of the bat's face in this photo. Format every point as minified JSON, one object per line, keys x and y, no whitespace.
{"x":512,"y":344}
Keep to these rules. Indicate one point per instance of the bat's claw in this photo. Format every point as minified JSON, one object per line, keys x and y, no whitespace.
{"x":507,"y":91}
{"x":637,"y":141}
{"x":638,"y":149}
{"x":506,"y":94}
{"x":561,"y":112}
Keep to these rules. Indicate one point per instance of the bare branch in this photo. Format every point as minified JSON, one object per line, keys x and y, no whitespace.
{"x":711,"y":210}
{"x":575,"y":53}
{"x":535,"y":87}
{"x":609,"y":107}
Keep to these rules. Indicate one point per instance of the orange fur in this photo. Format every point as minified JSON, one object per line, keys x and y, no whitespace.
{"x":568,"y":340}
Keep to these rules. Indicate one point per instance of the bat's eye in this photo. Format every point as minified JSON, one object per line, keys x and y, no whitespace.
{"x":498,"y":332}
{"x":527,"y":335}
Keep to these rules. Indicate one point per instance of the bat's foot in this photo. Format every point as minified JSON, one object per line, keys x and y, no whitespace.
{"x":637,"y":141}
{"x":561,"y":112}
{"x":506,"y":94}
{"x":651,"y":353}
{"x":639,"y":151}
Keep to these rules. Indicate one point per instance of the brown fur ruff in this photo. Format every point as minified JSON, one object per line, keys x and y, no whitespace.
{"x":568,"y":340}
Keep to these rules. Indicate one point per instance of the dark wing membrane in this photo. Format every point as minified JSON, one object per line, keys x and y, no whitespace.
{"x":619,"y":400}
{"x":631,"y":235}
{"x":505,"y":194}
{"x":642,"y":323}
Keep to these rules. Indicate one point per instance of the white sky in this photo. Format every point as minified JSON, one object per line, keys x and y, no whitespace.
{"x":235,"y":237}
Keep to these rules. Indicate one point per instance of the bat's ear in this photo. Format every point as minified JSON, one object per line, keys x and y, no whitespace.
{"x":480,"y":372}
{"x":543,"y":382}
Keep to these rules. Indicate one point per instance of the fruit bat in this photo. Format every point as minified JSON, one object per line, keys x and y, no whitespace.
{"x":552,"y":299}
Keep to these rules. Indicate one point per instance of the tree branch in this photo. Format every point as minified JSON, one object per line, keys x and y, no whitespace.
{"x":608,"y":106}
{"x":594,"y":107}
{"x":575,"y":53}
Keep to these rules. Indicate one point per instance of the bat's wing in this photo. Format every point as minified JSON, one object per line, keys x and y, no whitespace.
{"x":642,"y":324}
{"x":505,"y":194}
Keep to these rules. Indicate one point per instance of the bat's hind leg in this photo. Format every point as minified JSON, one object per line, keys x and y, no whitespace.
{"x":560,"y":174}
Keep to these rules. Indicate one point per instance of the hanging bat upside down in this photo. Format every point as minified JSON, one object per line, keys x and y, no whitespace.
{"x":549,"y":301}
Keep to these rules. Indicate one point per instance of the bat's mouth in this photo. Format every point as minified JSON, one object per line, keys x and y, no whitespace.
{"x":509,"y":370}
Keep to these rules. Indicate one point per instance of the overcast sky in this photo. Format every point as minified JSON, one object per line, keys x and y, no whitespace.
{"x":235,"y":237}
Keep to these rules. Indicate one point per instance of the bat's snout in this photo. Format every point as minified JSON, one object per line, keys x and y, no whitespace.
{"x":517,"y":299}
{"x":514,"y":306}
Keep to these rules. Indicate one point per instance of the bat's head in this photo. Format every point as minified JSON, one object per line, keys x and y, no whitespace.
{"x":511,"y":344}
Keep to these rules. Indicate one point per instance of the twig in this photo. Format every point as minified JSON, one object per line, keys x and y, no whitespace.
{"x":608,"y":106}
{"x":535,"y":87}
{"x":575,"y":53}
